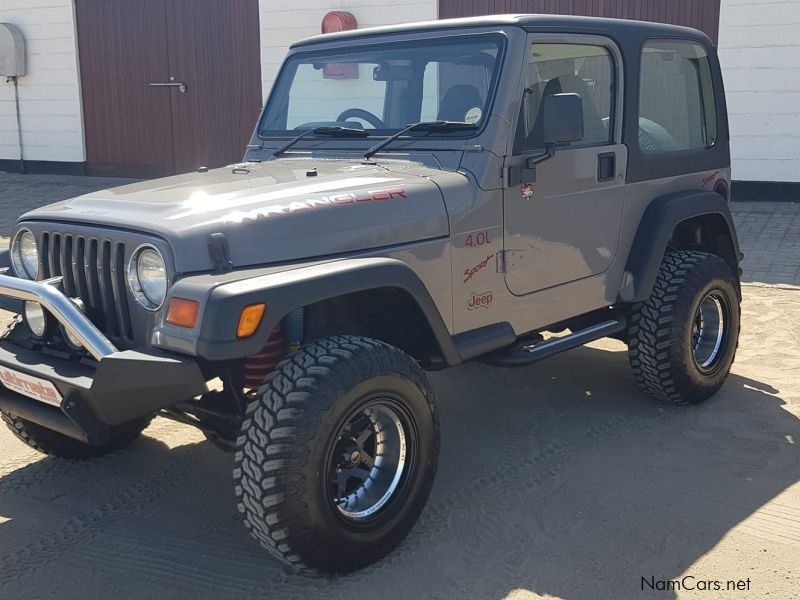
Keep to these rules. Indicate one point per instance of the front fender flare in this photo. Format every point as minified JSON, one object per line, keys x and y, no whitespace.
{"x":654,"y":233}
{"x":283,"y":291}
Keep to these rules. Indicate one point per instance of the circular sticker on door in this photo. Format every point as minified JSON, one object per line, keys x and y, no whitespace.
{"x":473,"y":115}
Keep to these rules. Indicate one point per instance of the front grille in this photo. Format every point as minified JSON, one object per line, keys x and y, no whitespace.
{"x":93,"y":269}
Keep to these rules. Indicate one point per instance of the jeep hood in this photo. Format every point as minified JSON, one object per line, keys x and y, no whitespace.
{"x":279,"y":210}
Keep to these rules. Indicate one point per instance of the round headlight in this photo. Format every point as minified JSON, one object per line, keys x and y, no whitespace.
{"x":147,"y":277}
{"x":36,"y":318}
{"x":73,"y":342}
{"x":25,"y":255}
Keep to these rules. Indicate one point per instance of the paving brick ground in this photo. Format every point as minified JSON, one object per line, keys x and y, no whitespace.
{"x":20,"y":193}
{"x":769,"y":232}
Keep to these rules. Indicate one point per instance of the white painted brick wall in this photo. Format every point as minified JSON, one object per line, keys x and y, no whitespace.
{"x":280,"y":27}
{"x":50,"y":98}
{"x":759,"y":47}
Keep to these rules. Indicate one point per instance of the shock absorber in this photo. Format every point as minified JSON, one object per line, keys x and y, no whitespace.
{"x":294,"y":324}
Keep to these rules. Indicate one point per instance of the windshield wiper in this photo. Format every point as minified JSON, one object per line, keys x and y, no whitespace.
{"x":421,"y":126}
{"x":332,"y":130}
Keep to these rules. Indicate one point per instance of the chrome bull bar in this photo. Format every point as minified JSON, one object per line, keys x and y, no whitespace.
{"x":63,"y":309}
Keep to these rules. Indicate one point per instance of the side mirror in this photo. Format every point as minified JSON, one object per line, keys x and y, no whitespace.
{"x":562,"y":116}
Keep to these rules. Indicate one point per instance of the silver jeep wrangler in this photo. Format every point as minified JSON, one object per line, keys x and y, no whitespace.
{"x":413,"y":197}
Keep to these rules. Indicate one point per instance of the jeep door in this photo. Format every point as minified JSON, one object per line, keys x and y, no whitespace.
{"x":562,"y":218}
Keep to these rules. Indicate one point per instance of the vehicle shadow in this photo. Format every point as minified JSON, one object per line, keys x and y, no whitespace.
{"x":559,"y":479}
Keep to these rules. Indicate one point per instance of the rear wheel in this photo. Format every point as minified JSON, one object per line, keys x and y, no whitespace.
{"x":53,"y":443}
{"x":338,"y":454}
{"x":682,"y":340}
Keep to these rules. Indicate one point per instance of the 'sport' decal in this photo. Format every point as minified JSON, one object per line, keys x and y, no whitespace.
{"x":709,"y":179}
{"x":470,"y":272}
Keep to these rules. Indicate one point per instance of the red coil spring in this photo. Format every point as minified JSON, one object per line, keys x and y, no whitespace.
{"x":258,"y":366}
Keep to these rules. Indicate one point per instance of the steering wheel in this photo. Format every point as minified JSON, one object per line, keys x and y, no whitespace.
{"x":365,"y":115}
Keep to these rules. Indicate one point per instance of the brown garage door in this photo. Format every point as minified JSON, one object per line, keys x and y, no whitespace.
{"x":700,"y":14}
{"x":136,"y":128}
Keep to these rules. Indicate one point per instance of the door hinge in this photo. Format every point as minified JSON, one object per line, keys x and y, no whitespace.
{"x":502,"y":262}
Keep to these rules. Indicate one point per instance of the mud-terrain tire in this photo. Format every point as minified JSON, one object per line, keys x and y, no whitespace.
{"x":683,"y":339}
{"x":53,"y":443}
{"x":337,"y":400}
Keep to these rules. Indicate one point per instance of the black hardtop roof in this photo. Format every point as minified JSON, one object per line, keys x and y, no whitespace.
{"x":616,"y":28}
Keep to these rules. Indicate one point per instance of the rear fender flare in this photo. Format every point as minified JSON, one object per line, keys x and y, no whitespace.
{"x":655,"y":230}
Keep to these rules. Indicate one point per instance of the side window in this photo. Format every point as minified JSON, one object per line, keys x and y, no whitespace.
{"x":676,"y":98}
{"x":581,"y":69}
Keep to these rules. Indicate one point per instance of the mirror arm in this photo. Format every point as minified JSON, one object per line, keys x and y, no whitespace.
{"x":549,"y":152}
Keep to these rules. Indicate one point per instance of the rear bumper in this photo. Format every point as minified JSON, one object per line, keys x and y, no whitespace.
{"x":87,"y":400}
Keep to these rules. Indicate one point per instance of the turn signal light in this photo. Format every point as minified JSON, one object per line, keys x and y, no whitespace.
{"x":250,"y":319}
{"x":182,"y":313}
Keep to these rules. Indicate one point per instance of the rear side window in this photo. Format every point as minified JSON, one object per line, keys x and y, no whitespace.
{"x":676,"y":98}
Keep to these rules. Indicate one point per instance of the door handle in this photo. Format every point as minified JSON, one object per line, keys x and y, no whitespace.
{"x":181,"y":86}
{"x":606,"y":166}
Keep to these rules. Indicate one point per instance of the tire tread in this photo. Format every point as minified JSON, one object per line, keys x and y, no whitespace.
{"x":56,"y":444}
{"x":273,"y":447}
{"x":653,"y":328}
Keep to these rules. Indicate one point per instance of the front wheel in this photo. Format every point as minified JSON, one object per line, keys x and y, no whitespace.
{"x":53,"y":443}
{"x":338,"y":454}
{"x":682,"y":340}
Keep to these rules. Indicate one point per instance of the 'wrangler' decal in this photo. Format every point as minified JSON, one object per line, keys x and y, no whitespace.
{"x":332,"y":200}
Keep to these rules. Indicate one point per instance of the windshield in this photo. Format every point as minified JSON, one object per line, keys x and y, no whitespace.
{"x":382,"y":89}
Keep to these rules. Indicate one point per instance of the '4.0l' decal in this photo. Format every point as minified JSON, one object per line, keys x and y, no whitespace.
{"x":477,"y":239}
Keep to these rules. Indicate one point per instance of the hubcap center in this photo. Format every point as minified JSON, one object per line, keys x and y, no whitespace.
{"x":370,"y":461}
{"x":708,"y":331}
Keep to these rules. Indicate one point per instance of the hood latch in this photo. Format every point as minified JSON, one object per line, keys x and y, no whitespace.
{"x":220,"y":252}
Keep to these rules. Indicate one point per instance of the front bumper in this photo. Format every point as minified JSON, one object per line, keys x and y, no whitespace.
{"x":125,"y":385}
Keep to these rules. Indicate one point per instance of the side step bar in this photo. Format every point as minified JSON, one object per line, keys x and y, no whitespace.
{"x":531,"y":354}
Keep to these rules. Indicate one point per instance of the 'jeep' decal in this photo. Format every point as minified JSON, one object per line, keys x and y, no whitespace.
{"x":480,"y":300}
{"x":300,"y":205}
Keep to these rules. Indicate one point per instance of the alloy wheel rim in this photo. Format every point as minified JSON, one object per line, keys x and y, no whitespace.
{"x":368,"y":461}
{"x":708,"y":331}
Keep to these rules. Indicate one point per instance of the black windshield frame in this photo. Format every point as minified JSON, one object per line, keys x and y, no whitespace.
{"x":279,"y":96}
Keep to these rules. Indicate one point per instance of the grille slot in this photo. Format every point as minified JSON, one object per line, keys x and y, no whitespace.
{"x":94,"y":270}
